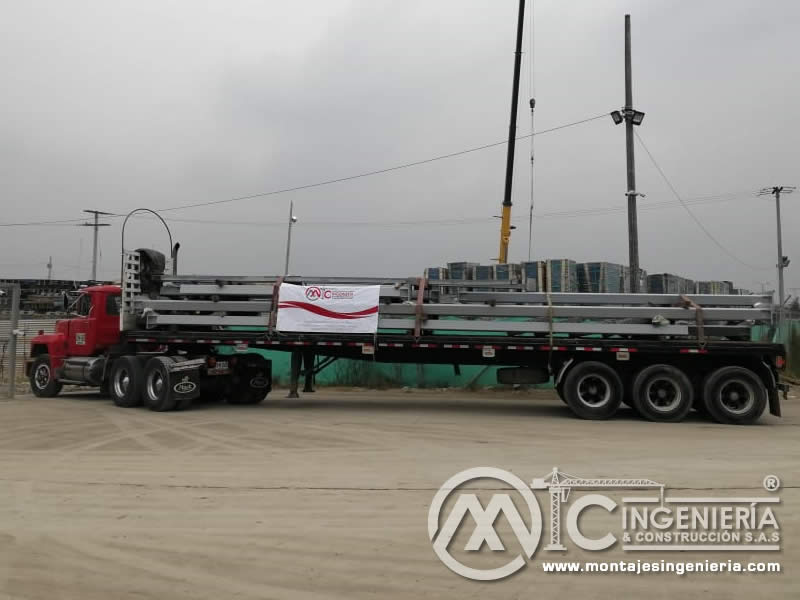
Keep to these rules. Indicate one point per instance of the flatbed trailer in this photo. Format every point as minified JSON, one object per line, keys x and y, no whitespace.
{"x":661,"y":354}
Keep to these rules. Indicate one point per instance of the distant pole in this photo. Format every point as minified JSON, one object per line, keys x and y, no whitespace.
{"x":783,"y":261}
{"x":633,"y":227}
{"x":12,"y":344}
{"x":505,"y":226}
{"x":292,"y":221}
{"x":530,"y":212}
{"x":50,"y":269}
{"x":96,"y":226}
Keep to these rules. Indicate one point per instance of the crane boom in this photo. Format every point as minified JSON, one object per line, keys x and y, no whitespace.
{"x":505,"y":222}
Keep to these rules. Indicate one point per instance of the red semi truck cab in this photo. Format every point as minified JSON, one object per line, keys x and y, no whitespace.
{"x":74,"y":353}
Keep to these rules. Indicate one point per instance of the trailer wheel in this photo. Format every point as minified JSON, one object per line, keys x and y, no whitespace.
{"x":662,"y":393}
{"x":43,"y":381}
{"x":156,"y":393}
{"x":734,"y":395}
{"x":593,"y":390}
{"x":125,"y":382}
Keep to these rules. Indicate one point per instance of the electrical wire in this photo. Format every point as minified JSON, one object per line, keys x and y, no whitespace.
{"x":333,"y":181}
{"x":688,"y":210}
{"x":586,"y":212}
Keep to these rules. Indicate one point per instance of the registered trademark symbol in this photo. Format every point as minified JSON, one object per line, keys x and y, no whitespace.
{"x":772,"y":483}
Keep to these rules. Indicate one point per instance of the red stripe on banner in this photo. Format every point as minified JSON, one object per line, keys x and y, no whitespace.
{"x":324,"y":312}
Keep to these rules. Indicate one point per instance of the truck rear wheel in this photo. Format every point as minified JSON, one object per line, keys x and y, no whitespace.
{"x":157,"y":391}
{"x":125,"y":382}
{"x":593,"y":390}
{"x":42,"y":378}
{"x":662,"y":393}
{"x":734,"y":395}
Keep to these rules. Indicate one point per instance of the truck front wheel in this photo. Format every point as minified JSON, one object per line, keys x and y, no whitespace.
{"x":42,"y":378}
{"x":125,"y":382}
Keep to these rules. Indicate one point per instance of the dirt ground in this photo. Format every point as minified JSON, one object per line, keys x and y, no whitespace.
{"x":327,"y":496}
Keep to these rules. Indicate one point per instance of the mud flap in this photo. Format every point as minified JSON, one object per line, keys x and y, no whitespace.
{"x":185,"y":380}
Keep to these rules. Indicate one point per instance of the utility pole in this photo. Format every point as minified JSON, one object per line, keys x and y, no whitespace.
{"x":96,"y":225}
{"x":50,"y":269}
{"x":783,"y":261}
{"x":505,"y":226}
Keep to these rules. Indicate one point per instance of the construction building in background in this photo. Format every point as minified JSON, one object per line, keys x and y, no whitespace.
{"x":713,"y":287}
{"x":667,"y":283}
{"x":625,"y":285}
{"x":600,"y":277}
{"x":561,"y":275}
{"x":532,"y":274}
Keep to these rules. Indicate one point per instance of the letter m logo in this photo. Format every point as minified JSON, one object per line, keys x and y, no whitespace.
{"x":484,"y":524}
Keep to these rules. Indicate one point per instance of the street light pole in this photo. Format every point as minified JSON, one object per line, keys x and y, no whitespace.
{"x":631,"y":117}
{"x":292,"y":221}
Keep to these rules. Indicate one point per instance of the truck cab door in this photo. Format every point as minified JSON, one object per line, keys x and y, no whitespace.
{"x":81,"y":336}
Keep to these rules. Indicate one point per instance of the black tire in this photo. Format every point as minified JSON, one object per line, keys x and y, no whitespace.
{"x":125,"y":382}
{"x":734,"y":395}
{"x":42,"y":379}
{"x":157,"y":387}
{"x":662,"y":393}
{"x":593,"y":390}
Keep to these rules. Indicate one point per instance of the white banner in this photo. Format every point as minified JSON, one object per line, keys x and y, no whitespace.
{"x":328,"y":309}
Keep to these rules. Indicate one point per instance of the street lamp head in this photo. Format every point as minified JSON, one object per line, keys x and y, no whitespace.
{"x":616,"y":116}
{"x":637,"y":117}
{"x":294,"y":219}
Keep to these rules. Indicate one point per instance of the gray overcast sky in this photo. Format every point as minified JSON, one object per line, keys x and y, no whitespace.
{"x":116,"y":105}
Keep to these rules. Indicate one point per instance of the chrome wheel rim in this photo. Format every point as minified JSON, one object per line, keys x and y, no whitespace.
{"x":122,"y":382}
{"x":42,"y":376}
{"x":155,"y":385}
{"x":594,"y":390}
{"x":737,"y":396}
{"x":663,"y":394}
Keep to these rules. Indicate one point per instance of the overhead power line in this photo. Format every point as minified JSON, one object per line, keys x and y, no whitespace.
{"x":577,"y":213}
{"x":332,"y":181}
{"x":381,"y":171}
{"x":688,"y":210}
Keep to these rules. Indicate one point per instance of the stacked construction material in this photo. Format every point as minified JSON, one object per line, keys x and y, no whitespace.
{"x":532,"y":275}
{"x":599,"y":277}
{"x":562,"y":275}
{"x":714,"y":287}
